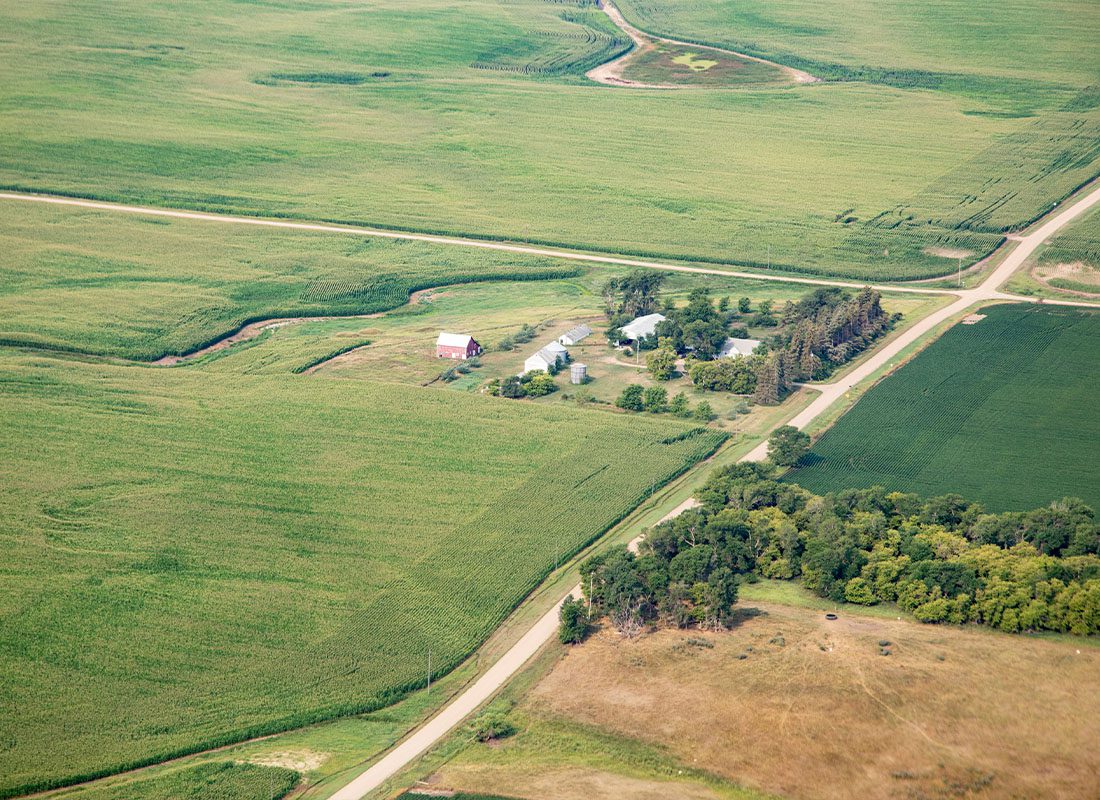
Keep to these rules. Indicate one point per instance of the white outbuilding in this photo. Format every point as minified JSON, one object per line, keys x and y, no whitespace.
{"x":545,"y":359}
{"x":738,"y":347}
{"x":575,"y":335}
{"x":641,"y":327}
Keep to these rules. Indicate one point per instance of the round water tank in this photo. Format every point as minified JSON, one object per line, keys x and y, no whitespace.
{"x":577,"y":373}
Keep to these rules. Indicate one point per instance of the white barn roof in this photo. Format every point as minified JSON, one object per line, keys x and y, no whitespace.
{"x":453,"y":339}
{"x":556,"y":348}
{"x":575,"y":335}
{"x":738,"y":347}
{"x":642,"y":326}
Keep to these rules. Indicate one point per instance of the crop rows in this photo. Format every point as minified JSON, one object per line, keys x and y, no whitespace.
{"x":558,"y":52}
{"x":242,"y":553}
{"x":1000,"y":411}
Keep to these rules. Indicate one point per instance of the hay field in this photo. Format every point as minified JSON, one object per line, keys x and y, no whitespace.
{"x":1002,"y":411}
{"x":475,"y":118}
{"x":950,"y":713}
{"x":191,"y":557}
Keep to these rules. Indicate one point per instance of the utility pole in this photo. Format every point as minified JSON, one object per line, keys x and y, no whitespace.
{"x":429,"y":671}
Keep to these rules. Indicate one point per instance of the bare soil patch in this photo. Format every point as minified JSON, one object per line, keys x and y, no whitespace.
{"x":973,"y":319}
{"x":807,"y":708}
{"x":947,"y":252}
{"x":297,"y":760}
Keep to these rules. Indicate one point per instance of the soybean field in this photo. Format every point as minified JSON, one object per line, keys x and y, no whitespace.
{"x":1003,"y":411}
{"x":194,"y":558}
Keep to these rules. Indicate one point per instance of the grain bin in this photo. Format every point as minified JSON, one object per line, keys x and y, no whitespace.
{"x":578,"y":373}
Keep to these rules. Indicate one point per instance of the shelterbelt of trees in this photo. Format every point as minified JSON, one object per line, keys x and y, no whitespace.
{"x":943,"y":559}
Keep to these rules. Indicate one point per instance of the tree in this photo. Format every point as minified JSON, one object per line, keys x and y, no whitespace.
{"x":744,"y":305}
{"x":632,"y":398}
{"x":655,"y":399}
{"x":858,"y":591}
{"x":573,"y":627}
{"x":724,"y":304}
{"x":661,"y":363}
{"x":737,"y":375}
{"x":679,"y":405}
{"x":703,"y":412}
{"x":788,"y":445}
{"x":769,"y":379}
{"x":540,"y":385}
{"x":633,"y":295}
{"x":512,"y":387}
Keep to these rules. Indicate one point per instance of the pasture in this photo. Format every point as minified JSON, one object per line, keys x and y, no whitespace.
{"x":475,"y":118}
{"x":789,"y":704}
{"x":1002,"y":412}
{"x":192,"y":558}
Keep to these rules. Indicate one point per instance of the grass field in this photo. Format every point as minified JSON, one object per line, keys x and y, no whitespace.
{"x":142,"y":287}
{"x":674,"y":65}
{"x":195,"y":557}
{"x":791,"y":704}
{"x":216,"y":781}
{"x":1002,"y":412}
{"x":475,"y":118}
{"x":1071,"y":260}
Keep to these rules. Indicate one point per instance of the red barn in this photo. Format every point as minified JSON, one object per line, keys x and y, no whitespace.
{"x":456,"y":345}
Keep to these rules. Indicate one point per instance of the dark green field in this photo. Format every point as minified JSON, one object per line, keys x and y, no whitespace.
{"x":1004,"y":412}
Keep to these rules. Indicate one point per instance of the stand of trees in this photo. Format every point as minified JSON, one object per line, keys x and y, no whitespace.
{"x":942,"y":559}
{"x":633,"y":295}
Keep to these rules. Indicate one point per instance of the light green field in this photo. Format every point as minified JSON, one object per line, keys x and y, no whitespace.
{"x":853,"y":179}
{"x":194,"y":557}
{"x":1071,"y":260}
{"x":982,"y":48}
{"x":142,"y":287}
{"x":217,"y":781}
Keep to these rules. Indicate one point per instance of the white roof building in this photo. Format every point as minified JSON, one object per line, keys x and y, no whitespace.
{"x":642,"y":326}
{"x":575,"y":335}
{"x":544,"y":359}
{"x":738,"y":347}
{"x":558,"y":349}
{"x":453,"y":340}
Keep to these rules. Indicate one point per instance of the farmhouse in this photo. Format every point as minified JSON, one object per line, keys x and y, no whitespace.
{"x":738,"y":347}
{"x":546,"y":358}
{"x":575,"y":335}
{"x":456,"y":345}
{"x":641,"y":327}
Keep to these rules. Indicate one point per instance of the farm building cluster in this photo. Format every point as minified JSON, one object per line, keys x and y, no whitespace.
{"x":645,"y":327}
{"x":554,"y":355}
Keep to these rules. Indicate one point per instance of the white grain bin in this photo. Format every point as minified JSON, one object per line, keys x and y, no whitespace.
{"x":577,"y":373}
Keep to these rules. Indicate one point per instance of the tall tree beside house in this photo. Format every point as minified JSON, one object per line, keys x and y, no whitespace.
{"x":769,"y":379}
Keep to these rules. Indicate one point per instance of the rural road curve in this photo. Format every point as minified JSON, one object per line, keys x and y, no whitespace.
{"x":522,"y":651}
{"x":610,"y":72}
{"x":352,"y":230}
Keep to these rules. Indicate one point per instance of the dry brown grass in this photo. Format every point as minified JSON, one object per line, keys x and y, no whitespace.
{"x":949,"y":712}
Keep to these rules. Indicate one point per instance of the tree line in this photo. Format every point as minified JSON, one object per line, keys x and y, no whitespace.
{"x":944,"y":559}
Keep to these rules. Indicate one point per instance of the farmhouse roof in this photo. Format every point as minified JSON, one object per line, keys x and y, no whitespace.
{"x":642,"y":326}
{"x":738,"y":347}
{"x":453,"y":339}
{"x":577,"y":333}
{"x":557,"y":348}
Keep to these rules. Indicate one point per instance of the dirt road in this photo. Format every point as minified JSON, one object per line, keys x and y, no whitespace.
{"x":443,"y":723}
{"x":611,"y":72}
{"x":353,"y":230}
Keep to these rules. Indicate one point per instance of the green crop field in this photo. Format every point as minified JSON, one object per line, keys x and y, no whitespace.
{"x":1002,"y":411}
{"x":218,"y":781}
{"x":141,"y":287}
{"x":194,"y":557}
{"x":1071,"y":260}
{"x":476,"y":118}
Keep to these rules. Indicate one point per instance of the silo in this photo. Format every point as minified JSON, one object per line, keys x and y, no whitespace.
{"x":577,"y":373}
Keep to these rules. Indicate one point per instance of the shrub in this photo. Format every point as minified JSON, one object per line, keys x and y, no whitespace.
{"x":540,"y":385}
{"x":491,"y":726}
{"x":632,"y":398}
{"x":573,"y":617}
{"x":703,"y":412}
{"x":655,"y":399}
